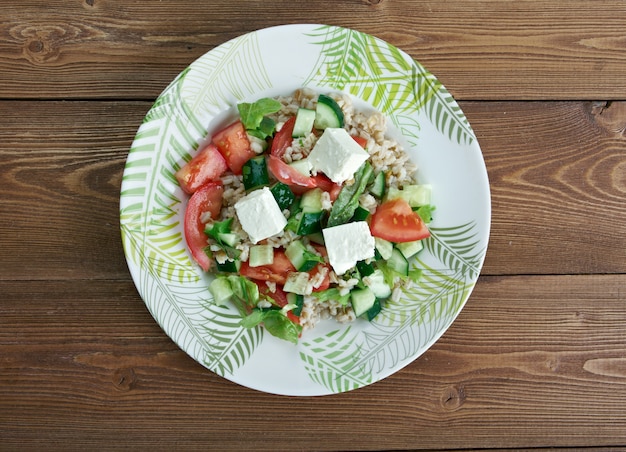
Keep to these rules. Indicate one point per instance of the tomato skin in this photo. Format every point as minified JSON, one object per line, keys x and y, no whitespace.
{"x":207,"y":165}
{"x":360,"y":140}
{"x":298,"y":182}
{"x":234,"y":145}
{"x":275,"y":272}
{"x":322,"y":181}
{"x":396,"y":222}
{"x":207,"y":198}
{"x":283,"y":139}
{"x":280,"y":298}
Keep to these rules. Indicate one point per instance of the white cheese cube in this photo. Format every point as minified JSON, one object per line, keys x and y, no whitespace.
{"x":347,"y":244}
{"x":337,"y":155}
{"x":259,"y":215}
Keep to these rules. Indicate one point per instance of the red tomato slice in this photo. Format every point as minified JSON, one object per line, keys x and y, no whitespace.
{"x":298,"y":182}
{"x":207,"y":165}
{"x":207,"y":198}
{"x":283,"y":139}
{"x":361,"y":141}
{"x":280,"y":298}
{"x":234,"y":145}
{"x":325,"y":282}
{"x":275,"y":272}
{"x":322,"y":181}
{"x":395,"y":221}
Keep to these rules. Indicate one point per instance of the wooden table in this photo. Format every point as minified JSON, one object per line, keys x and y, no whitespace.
{"x":536,"y":359}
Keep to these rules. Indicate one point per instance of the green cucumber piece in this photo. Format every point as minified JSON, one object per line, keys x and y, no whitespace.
{"x":360,"y":214}
{"x":229,"y":238}
{"x":310,"y":223}
{"x":305,"y":118}
{"x":378,"y":285}
{"x":229,"y":266}
{"x":261,"y":255}
{"x":410,"y":249}
{"x":364,"y":268}
{"x":383,"y":248}
{"x":254,"y":173}
{"x":283,"y":195}
{"x":377,"y":188}
{"x":415,"y":195}
{"x":328,"y":113}
{"x":311,"y":201}
{"x":301,"y":258}
{"x":398,"y":262}
{"x":221,"y":291}
{"x":362,"y":300}
{"x":298,"y":301}
{"x":297,"y":282}
{"x":374,"y":310}
{"x":303,"y":166}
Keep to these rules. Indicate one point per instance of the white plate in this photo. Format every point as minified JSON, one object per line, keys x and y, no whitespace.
{"x":424,"y":117}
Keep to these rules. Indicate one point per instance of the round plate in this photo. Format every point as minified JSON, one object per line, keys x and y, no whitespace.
{"x":422,"y":115}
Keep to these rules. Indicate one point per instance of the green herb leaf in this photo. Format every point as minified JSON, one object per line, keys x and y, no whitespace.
{"x":348,"y":200}
{"x":252,"y":114}
{"x":426,"y":213}
{"x":276,"y":323}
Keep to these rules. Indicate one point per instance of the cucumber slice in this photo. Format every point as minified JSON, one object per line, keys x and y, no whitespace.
{"x":410,"y":249}
{"x":374,"y":310}
{"x":378,"y":186}
{"x":310,"y":223}
{"x":377,"y":284}
{"x":229,"y":238}
{"x":398,"y":263}
{"x":360,"y":214}
{"x":362,"y":300}
{"x":229,"y":266}
{"x":301,"y":258}
{"x":415,"y":195}
{"x":303,"y":166}
{"x":328,"y":113}
{"x":261,"y":255}
{"x":254,"y":173}
{"x":364,"y":268}
{"x":221,"y":291}
{"x":298,"y":300}
{"x":297,"y":282}
{"x":283,"y":195}
{"x":304,"y":122}
{"x":311,"y":201}
{"x":383,"y":248}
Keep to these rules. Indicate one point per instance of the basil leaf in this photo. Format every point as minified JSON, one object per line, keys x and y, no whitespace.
{"x":252,"y":114}
{"x":348,"y":200}
{"x":277,"y":324}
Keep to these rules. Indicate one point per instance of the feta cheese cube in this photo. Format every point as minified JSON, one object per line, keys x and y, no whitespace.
{"x":259,"y":215}
{"x":347,"y":244}
{"x":337,"y":155}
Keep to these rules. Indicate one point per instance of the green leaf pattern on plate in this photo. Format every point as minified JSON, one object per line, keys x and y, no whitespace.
{"x":377,"y":72}
{"x":151,"y":210}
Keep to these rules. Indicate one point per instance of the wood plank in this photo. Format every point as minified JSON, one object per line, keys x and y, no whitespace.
{"x":557,"y":172}
{"x":495,"y":50}
{"x":532,"y":361}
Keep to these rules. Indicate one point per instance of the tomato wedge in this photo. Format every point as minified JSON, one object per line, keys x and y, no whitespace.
{"x":234,"y":145}
{"x":283,"y":138}
{"x":207,"y":165}
{"x":275,"y":272}
{"x":322,"y":181}
{"x":207,"y":198}
{"x":298,"y":182}
{"x":360,"y":140}
{"x":280,"y":298}
{"x":396,"y":222}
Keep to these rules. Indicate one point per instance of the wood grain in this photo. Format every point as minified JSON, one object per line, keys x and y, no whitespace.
{"x":522,"y":366}
{"x":491,"y":50}
{"x":557,"y":173}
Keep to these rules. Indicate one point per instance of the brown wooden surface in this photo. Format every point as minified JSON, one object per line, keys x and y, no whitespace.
{"x":536,"y":359}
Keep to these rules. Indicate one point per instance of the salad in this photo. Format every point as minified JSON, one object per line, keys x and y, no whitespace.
{"x":304,"y":209}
